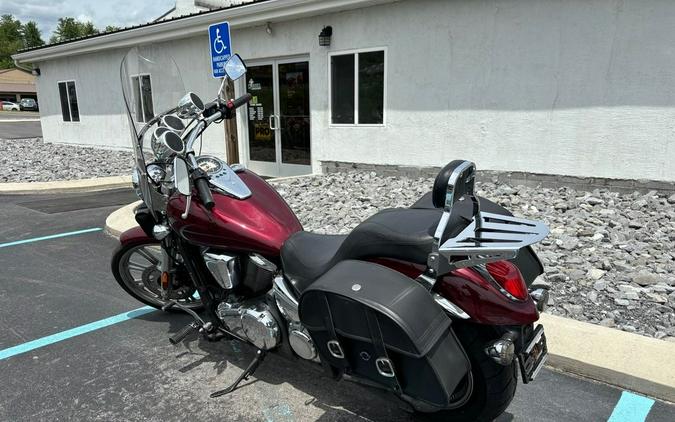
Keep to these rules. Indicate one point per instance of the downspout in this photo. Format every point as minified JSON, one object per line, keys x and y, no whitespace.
{"x":16,"y":63}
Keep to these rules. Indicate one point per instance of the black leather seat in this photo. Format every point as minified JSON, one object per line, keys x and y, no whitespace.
{"x":399,"y":233}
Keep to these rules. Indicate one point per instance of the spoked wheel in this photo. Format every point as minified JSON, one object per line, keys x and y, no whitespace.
{"x":137,"y":269}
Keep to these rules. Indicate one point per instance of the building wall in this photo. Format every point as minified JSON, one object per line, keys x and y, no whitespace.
{"x":583,"y":88}
{"x":577,"y":87}
{"x":103,"y":120}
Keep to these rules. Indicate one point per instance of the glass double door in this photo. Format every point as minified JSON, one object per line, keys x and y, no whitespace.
{"x":278,"y":117}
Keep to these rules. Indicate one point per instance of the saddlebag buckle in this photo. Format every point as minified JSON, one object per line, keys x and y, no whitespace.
{"x":385,"y":367}
{"x":335,"y":349}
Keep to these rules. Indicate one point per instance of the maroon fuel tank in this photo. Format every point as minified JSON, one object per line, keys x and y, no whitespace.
{"x":260,"y":223}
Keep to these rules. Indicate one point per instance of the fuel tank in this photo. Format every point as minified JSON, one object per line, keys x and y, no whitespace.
{"x":260,"y":223}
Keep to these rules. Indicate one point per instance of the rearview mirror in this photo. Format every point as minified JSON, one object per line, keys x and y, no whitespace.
{"x":181,"y":176}
{"x":235,"y":67}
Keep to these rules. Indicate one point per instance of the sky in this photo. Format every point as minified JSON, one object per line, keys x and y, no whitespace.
{"x":101,"y":12}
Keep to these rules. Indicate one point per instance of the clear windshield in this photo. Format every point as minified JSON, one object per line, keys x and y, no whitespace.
{"x":152,"y":85}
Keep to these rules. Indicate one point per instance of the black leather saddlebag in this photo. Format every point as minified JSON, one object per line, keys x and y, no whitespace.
{"x":376,"y":323}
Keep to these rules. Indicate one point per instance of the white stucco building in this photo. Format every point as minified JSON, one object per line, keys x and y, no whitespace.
{"x":578,"y":88}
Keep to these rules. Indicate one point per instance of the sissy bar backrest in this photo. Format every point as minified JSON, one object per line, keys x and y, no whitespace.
{"x":488,"y":237}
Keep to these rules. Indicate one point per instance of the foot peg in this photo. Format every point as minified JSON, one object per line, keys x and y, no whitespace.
{"x":205,"y":328}
{"x":184,"y":332}
{"x":259,"y":356}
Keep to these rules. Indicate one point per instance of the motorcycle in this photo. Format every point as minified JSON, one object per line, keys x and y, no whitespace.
{"x":435,"y":305}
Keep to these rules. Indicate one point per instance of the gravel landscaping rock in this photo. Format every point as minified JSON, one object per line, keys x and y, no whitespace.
{"x":610,"y":257}
{"x":32,"y":160}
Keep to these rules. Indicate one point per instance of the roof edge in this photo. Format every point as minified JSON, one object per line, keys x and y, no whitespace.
{"x":247,"y":14}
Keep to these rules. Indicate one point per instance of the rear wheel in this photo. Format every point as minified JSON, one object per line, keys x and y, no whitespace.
{"x":494,"y":385}
{"x":136,"y":269}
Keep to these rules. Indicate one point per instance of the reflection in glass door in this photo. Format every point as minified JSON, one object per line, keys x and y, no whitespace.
{"x":261,"y":139}
{"x":294,"y":112}
{"x":279,"y":118}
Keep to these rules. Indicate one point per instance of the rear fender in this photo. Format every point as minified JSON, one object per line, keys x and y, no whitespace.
{"x":477,"y":297}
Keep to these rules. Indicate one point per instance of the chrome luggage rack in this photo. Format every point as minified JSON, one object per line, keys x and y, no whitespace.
{"x":487,"y":238}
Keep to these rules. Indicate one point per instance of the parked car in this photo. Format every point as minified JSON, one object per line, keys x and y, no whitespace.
{"x":28,"y":104}
{"x":10,"y":106}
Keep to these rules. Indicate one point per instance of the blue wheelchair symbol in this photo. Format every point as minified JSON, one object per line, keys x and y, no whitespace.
{"x":220,"y":47}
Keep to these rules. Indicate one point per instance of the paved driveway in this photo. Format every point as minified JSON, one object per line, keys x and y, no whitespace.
{"x":16,"y":129}
{"x":98,"y":361}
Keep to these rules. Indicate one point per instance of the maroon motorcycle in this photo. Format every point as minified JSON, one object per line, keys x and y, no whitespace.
{"x":434,"y":305}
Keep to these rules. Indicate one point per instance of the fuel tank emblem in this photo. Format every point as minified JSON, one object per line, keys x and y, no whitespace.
{"x":356,"y":287}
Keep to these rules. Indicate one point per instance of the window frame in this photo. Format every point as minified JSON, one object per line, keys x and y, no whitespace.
{"x":70,"y":110}
{"x":140,"y":89}
{"x":356,"y":53}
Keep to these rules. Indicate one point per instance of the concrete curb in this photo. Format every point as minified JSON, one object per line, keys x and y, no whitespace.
{"x":66,"y":186}
{"x":121,"y":220}
{"x":627,"y":360}
{"x":3,"y":120}
{"x":615,"y":357}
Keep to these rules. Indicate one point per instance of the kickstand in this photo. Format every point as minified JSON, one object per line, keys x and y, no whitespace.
{"x":259,"y":356}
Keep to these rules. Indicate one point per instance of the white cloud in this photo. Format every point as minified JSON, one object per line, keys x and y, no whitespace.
{"x":101,"y":13}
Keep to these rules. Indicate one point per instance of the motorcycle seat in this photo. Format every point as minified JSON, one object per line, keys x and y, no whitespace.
{"x":400,"y":233}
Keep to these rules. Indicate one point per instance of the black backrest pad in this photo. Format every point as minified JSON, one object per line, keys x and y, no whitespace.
{"x":464,"y":185}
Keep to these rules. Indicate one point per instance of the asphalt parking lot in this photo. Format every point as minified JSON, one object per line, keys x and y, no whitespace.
{"x":56,"y":287}
{"x":18,"y":128}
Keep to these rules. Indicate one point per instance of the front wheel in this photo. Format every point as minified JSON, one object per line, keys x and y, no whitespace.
{"x":494,"y":385}
{"x":136,"y":268}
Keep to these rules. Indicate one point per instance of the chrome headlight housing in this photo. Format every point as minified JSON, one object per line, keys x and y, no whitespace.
{"x":136,"y":182}
{"x":156,"y":173}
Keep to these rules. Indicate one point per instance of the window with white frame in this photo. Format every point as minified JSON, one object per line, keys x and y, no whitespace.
{"x":142,"y":86}
{"x":357,"y":87}
{"x":68,"y":96}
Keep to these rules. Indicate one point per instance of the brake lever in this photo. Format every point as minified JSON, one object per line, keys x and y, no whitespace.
{"x":188,"y":203}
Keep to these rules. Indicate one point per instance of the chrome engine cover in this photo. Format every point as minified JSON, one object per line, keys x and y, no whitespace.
{"x":252,"y":321}
{"x":298,"y":337}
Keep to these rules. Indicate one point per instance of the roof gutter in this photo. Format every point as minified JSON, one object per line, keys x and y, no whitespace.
{"x":22,"y":67}
{"x":239,"y":17}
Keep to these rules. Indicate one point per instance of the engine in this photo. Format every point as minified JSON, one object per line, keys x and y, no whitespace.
{"x":253,"y":321}
{"x":298,"y":337}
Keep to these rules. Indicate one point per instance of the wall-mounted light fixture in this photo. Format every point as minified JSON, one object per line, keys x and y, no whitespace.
{"x":36,"y":71}
{"x":324,"y":36}
{"x":268,"y":29}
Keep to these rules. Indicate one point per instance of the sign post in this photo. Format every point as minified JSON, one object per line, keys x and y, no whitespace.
{"x":220,"y":46}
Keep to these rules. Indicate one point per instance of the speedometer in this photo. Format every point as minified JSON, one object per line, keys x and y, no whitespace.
{"x":211,"y":165}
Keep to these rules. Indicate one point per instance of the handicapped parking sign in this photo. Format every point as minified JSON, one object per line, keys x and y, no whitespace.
{"x":221,"y":49}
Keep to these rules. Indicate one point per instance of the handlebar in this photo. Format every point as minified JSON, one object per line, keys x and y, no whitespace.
{"x":239,"y":101}
{"x":202,"y":184}
{"x":212,"y":112}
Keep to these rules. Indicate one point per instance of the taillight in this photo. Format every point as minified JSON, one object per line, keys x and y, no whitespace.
{"x":509,"y":278}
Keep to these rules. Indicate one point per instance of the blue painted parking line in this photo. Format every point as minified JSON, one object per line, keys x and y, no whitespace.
{"x":631,"y":408}
{"x":51,"y":236}
{"x":73,"y":332}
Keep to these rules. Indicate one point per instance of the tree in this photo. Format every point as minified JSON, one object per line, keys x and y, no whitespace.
{"x":10,"y":40}
{"x":31,"y":35}
{"x":70,"y":28}
{"x":111,"y":28}
{"x":88,"y":29}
